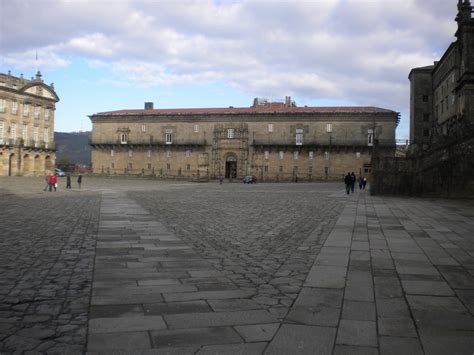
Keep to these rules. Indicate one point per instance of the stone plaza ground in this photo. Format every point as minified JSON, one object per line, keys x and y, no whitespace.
{"x":134,"y":266}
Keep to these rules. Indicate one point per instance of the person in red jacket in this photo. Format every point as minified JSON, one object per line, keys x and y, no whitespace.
{"x":53,"y":180}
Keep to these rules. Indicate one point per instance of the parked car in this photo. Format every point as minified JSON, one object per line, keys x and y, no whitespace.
{"x":250,"y":179}
{"x":59,"y":172}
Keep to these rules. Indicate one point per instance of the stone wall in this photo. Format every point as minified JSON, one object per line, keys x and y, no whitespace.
{"x":445,"y":172}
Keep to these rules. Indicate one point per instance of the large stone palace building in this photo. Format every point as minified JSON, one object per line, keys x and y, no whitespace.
{"x":26,"y":126}
{"x":440,"y":160}
{"x":275,"y":141}
{"x":442,"y":94}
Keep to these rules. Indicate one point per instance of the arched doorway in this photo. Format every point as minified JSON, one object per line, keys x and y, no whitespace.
{"x":12,"y":165}
{"x":48,"y":164}
{"x":26,"y":171}
{"x":231,"y":166}
{"x":36,"y":165}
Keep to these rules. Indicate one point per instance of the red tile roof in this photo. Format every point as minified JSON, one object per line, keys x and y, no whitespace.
{"x":248,"y":110}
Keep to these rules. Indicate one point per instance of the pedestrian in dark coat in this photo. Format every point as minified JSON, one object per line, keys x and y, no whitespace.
{"x":353,"y":181}
{"x":79,"y":180}
{"x":348,"y":182}
{"x":68,"y":181}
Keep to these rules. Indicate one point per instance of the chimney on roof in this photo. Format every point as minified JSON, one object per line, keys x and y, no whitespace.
{"x":148,"y":105}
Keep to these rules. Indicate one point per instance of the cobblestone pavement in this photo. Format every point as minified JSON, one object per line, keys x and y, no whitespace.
{"x":191,"y":268}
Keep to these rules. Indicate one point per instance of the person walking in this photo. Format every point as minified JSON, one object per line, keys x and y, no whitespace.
{"x":53,"y":181}
{"x":79,"y":180}
{"x":68,"y":181}
{"x":348,"y":182}
{"x":46,"y":180}
{"x":364,"y":183}
{"x":221,"y":179}
{"x":353,"y":181}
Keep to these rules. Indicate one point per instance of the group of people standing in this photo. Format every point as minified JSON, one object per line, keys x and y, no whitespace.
{"x":350,"y":180}
{"x":51,"y":181}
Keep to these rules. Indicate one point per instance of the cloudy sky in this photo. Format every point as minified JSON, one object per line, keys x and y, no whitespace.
{"x":104,"y":55}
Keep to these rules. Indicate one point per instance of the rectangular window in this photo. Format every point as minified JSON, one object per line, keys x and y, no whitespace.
{"x":311,"y":155}
{"x":46,"y":114}
{"x":1,"y":132}
{"x":149,"y":165}
{"x":188,"y":167}
{"x":123,"y":138}
{"x":230,"y":133}
{"x":112,"y":152}
{"x":46,"y":135}
{"x":280,"y":169}
{"x":270,"y":127}
{"x":357,"y":155}
{"x":280,"y":155}
{"x":310,"y":170}
{"x":26,"y":109}
{"x":168,"y":166}
{"x":35,"y":133}
{"x":24,"y":133}
{"x":426,"y":117}
{"x":130,"y":152}
{"x":425,"y":98}
{"x":37,"y":111}
{"x":295,"y":155}
{"x":370,"y":137}
{"x":196,"y":128}
{"x":326,"y":155}
{"x":2,"y":105}
{"x":326,"y":170}
{"x":267,"y":154}
{"x":13,"y":130}
{"x":265,"y":168}
{"x":143,"y":127}
{"x":328,"y":127}
{"x":148,"y":153}
{"x":188,"y":153}
{"x":112,"y":165}
{"x":14,"y":107}
{"x":168,"y":136}
{"x":130,"y":166}
{"x":299,"y":137}
{"x":426,"y":133}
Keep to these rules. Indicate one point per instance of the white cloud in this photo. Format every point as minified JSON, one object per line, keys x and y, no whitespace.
{"x":355,"y":50}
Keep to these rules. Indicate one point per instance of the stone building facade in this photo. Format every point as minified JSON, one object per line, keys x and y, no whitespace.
{"x":442,"y":94}
{"x":274,"y":141}
{"x":440,"y":159}
{"x":26,"y":126}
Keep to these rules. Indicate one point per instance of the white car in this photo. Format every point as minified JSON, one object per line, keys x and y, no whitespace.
{"x":59,"y":172}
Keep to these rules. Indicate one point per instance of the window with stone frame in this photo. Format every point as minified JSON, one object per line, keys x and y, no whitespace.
{"x":370,"y":137}
{"x":270,"y":127}
{"x":123,"y":138}
{"x":299,"y":136}
{"x":168,"y":136}
{"x":14,"y":107}
{"x":1,"y":132}
{"x":230,"y":133}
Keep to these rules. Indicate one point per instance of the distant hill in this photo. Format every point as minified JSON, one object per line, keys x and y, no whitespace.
{"x":73,"y":147}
